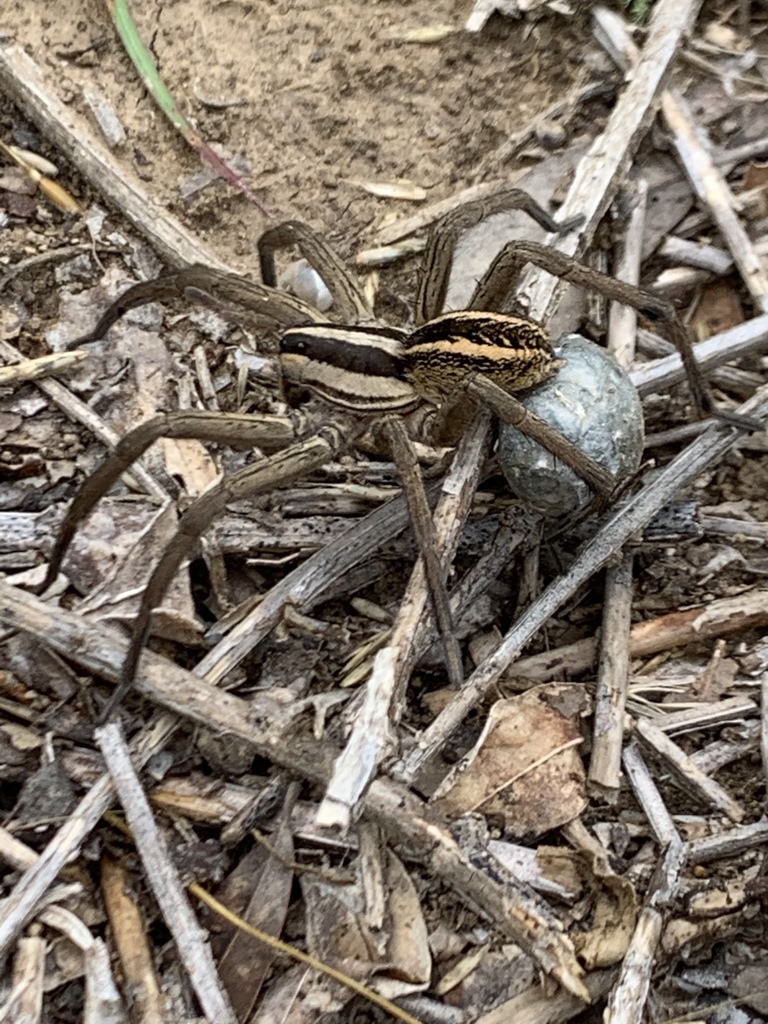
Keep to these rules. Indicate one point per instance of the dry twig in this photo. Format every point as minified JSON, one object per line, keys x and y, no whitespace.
{"x":704,"y":451}
{"x":191,"y":940}
{"x":612,"y":679}
{"x":25,"y":84}
{"x":520,"y":914}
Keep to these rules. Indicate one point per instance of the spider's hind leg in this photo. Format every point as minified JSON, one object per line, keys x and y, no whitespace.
{"x":478,"y":388}
{"x":438,"y":257}
{"x":256,"y":478}
{"x":503,"y":276}
{"x":266,"y":432}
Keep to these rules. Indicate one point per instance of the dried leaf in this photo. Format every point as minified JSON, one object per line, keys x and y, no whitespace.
{"x":724,"y":37}
{"x":749,"y":985}
{"x":338,"y":935}
{"x":460,"y":970}
{"x":718,"y":309}
{"x":335,"y":930}
{"x":383,"y":255}
{"x":754,"y":195}
{"x":21,"y":737}
{"x":399,"y":188}
{"x":410,"y":961}
{"x":612,"y":923}
{"x":755,"y":176}
{"x":191,"y":461}
{"x":112,"y":557}
{"x":26,"y":156}
{"x":524,"y":767}
{"x":246,"y":961}
{"x":423,"y":34}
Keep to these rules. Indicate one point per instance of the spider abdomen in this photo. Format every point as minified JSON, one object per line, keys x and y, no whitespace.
{"x":513,"y":352}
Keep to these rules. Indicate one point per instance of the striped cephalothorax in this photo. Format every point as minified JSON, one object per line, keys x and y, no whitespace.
{"x":363,"y":367}
{"x":366,"y":366}
{"x":359,"y":368}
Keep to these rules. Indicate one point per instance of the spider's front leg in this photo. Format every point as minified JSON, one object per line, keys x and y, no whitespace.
{"x":350,"y":302}
{"x":258,"y":478}
{"x":503,"y":276}
{"x":224,"y":290}
{"x":485,"y":355}
{"x":230,"y":292}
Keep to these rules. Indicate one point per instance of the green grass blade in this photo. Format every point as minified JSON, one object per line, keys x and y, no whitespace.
{"x":144,"y":63}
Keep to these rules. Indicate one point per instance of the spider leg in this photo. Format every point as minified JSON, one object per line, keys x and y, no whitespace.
{"x":349,"y":299}
{"x":502,"y":277}
{"x":426,"y":538}
{"x":461,"y":404}
{"x":264,"y":432}
{"x":256,"y":478}
{"x":438,"y":257}
{"x":512,"y":411}
{"x":219,"y":288}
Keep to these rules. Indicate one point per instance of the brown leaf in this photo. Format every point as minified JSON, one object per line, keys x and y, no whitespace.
{"x":524,"y":767}
{"x":410,"y":961}
{"x":247,"y":961}
{"x":612,"y":923}
{"x":337,"y":933}
{"x":718,"y":309}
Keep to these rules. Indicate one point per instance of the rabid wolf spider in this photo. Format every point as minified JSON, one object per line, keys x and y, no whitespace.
{"x":371,"y":369}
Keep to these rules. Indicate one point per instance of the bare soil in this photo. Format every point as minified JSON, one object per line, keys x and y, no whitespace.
{"x":314,"y":96}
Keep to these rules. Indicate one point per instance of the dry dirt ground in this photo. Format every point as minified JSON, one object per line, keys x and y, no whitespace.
{"x":314,"y":96}
{"x":313,"y":99}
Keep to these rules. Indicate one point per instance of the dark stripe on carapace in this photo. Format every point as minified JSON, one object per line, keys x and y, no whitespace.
{"x":367,"y":350}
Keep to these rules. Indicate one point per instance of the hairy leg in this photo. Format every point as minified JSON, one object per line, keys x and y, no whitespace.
{"x":257,"y":478}
{"x":216,"y":288}
{"x":266,"y":432}
{"x":350,"y":302}
{"x":438,"y":258}
{"x":504,"y":274}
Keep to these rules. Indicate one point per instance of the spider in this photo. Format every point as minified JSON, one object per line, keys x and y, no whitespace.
{"x":370,"y":370}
